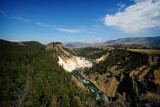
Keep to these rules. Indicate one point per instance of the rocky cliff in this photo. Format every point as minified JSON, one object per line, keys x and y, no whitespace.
{"x":66,"y":58}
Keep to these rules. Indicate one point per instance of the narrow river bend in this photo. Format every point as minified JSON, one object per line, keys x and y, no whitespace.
{"x":99,"y":95}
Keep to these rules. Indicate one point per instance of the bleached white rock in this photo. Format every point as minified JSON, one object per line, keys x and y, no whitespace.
{"x":73,"y":63}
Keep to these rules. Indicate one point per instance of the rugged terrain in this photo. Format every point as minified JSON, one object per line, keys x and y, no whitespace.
{"x":35,"y":75}
{"x":132,"y":76}
{"x":68,"y":60}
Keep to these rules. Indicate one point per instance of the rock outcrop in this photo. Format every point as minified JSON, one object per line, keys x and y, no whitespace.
{"x":66,"y":59}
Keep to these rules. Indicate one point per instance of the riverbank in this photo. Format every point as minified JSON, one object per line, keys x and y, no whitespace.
{"x":98,"y":94}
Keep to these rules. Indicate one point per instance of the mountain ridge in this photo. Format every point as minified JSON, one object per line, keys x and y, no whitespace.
{"x":149,"y":42}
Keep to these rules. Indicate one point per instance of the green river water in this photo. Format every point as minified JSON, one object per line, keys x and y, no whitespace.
{"x":99,"y":95}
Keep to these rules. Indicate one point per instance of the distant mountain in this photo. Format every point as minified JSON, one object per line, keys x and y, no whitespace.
{"x":77,"y":44}
{"x":152,"y":42}
{"x":148,"y":42}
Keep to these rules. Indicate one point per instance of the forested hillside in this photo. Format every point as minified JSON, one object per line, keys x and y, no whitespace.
{"x":30,"y":76}
{"x":90,"y":52}
{"x":127,"y":60}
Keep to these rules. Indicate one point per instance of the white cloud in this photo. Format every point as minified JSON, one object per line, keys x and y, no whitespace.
{"x":137,"y":0}
{"x":68,"y":30}
{"x":98,"y":26}
{"x":24,"y":19}
{"x":98,"y":39}
{"x":121,"y":6}
{"x":4,"y":13}
{"x":93,"y":40}
{"x":14,"y":17}
{"x":39,"y":23}
{"x":42,"y":24}
{"x":20,"y":18}
{"x":136,"y":18}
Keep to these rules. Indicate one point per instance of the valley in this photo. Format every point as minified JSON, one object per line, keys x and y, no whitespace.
{"x":128,"y":76}
{"x":99,"y":95}
{"x":88,"y":76}
{"x":123,"y":75}
{"x":79,"y":53}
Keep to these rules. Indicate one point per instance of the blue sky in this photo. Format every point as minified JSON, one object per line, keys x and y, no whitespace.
{"x":78,"y":20}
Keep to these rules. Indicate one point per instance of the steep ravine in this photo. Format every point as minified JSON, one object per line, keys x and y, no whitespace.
{"x":127,"y":77}
{"x":74,"y":64}
{"x":98,"y":94}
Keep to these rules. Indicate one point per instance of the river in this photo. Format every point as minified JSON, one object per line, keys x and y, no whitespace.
{"x":99,"y":95}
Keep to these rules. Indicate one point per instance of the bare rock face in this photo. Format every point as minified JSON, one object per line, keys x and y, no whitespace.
{"x":74,"y":62}
{"x":67,"y":60}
